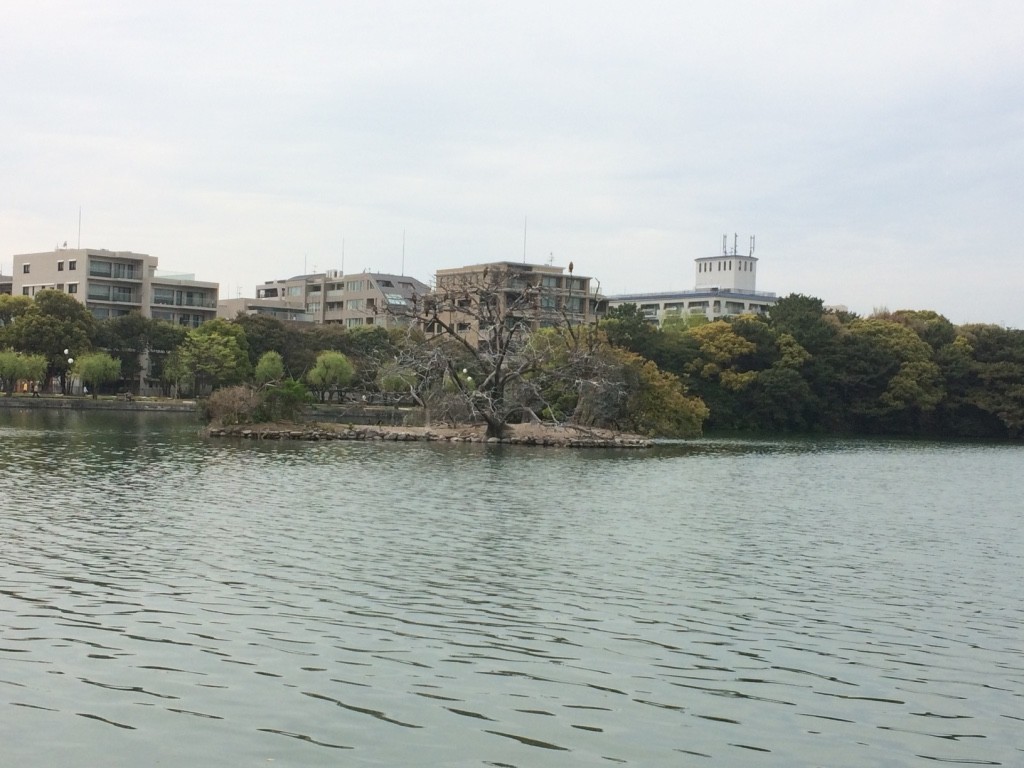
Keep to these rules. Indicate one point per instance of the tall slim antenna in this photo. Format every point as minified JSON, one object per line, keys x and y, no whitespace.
{"x":524,"y":239}
{"x":725,"y":241}
{"x":751,"y":245}
{"x":735,"y":242}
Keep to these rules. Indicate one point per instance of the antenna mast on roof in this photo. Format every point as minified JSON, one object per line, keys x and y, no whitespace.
{"x":751,"y":245}
{"x":725,"y":240}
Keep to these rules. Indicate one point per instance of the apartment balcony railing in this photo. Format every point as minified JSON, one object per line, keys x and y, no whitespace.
{"x":115,"y":272}
{"x":113,"y":298}
{"x":194,"y":303}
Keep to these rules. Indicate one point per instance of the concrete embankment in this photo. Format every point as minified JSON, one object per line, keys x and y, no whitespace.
{"x":559,"y":439}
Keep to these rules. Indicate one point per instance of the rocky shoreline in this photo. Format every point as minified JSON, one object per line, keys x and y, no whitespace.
{"x":528,"y":435}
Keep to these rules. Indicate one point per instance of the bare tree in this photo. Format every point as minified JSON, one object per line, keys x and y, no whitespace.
{"x":481,"y":329}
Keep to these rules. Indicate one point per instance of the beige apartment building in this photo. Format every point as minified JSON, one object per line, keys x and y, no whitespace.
{"x":115,"y":283}
{"x":537,"y":295}
{"x":352,"y":300}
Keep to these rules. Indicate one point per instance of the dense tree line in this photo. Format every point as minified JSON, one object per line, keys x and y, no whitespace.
{"x":804,"y":368}
{"x":257,"y":367}
{"x":52,"y":337}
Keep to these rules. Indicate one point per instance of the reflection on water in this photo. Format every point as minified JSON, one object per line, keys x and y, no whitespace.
{"x":712,"y":603}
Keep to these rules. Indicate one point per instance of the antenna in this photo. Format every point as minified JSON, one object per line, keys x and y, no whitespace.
{"x":751,"y":245}
{"x":403,"y":253}
{"x":735,"y":239}
{"x":725,"y":240}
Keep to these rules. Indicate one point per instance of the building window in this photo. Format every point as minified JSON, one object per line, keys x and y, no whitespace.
{"x":24,"y":291}
{"x":26,"y":268}
{"x":72,"y":287}
{"x":72,"y":264}
{"x":60,"y":266}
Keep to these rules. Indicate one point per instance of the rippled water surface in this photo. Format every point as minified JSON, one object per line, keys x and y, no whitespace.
{"x":167,"y":600}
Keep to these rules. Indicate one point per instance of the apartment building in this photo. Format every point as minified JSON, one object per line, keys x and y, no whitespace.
{"x":115,"y":283}
{"x":538,"y":295}
{"x":724,"y":285}
{"x":281,"y":309}
{"x":352,"y":300}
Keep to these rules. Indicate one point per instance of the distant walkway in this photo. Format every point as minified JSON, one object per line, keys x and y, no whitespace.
{"x":86,"y":403}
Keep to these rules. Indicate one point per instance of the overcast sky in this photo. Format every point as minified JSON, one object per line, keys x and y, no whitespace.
{"x":875,"y":149}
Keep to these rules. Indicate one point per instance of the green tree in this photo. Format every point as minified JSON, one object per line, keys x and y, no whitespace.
{"x":283,"y":401}
{"x":931,"y":327}
{"x":331,"y":372}
{"x":269,"y":368}
{"x":994,"y":385}
{"x":886,"y":376}
{"x":164,"y":340}
{"x":292,"y":340}
{"x":12,"y":307}
{"x":656,"y":402}
{"x":55,"y":322}
{"x":96,"y":369}
{"x":628,"y":328}
{"x":127,"y":339}
{"x":212,"y":355}
{"x":16,"y":366}
{"x":721,"y":351}
{"x":806,"y":320}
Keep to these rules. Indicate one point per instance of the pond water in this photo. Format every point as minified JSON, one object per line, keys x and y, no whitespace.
{"x":171,"y":600}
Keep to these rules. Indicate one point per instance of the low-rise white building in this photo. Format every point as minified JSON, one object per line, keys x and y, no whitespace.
{"x":724,"y":285}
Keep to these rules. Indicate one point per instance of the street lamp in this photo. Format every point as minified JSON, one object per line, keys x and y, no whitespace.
{"x":71,"y":361}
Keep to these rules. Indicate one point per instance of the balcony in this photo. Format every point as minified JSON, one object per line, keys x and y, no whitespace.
{"x":114,"y":271}
{"x":112,"y":295}
{"x":172,"y":301}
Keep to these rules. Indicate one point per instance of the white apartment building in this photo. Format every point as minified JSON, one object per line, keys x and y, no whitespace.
{"x":724,"y":285}
{"x":114,"y":283}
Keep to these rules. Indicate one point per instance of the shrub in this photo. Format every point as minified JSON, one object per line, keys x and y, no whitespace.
{"x":284,"y":401}
{"x":232,"y":405}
